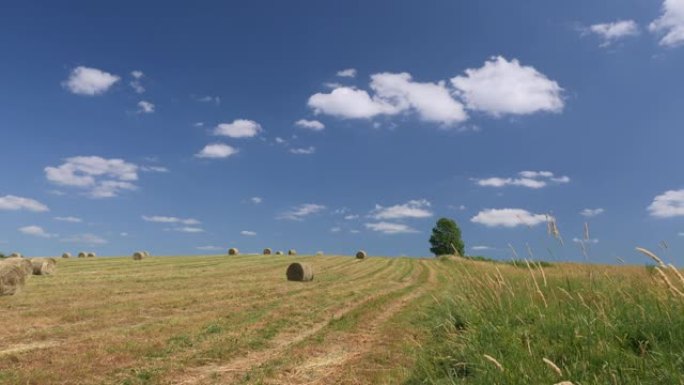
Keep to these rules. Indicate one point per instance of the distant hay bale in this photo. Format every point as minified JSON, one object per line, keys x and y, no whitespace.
{"x":16,"y":255}
{"x":279,"y":252}
{"x":12,"y":278}
{"x":82,"y":254}
{"x":66,"y":255}
{"x":361,"y":254}
{"x":319,"y":253}
{"x":138,"y":255}
{"x":267,"y":251}
{"x":23,"y":263}
{"x":147,"y":253}
{"x":233,"y":251}
{"x":91,"y":255}
{"x":292,"y":252}
{"x":299,"y":272}
{"x":43,"y":266}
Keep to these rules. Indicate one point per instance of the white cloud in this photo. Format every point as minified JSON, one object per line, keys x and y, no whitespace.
{"x":240,"y":128}
{"x":351,"y":217}
{"x":188,"y":229}
{"x":36,"y":231}
{"x":347,"y":73}
{"x":410,"y":209}
{"x":124,"y":234}
{"x":503,"y":87}
{"x":87,"y":239}
{"x":431,"y":101}
{"x":217,"y":150}
{"x":69,"y":219}
{"x":256,"y":200}
{"x":209,"y":248}
{"x":135,"y":83}
{"x":298,"y":213}
{"x":350,"y":103}
{"x":165,"y":219}
{"x":209,"y":99}
{"x":15,"y":203}
{"x":153,"y":169}
{"x":390,"y":228}
{"x":508,"y":218}
{"x":313,"y":125}
{"x":101,"y":177}
{"x":612,"y":32}
{"x":145,"y":107}
{"x":89,"y":81}
{"x":303,"y":151}
{"x":480,"y":248}
{"x":335,"y":229}
{"x":667,"y":205}
{"x":586,"y":241}
{"x":529,"y":179}
{"x":670,"y":23}
{"x":248,"y":233}
{"x":589,"y":213}
{"x":280,"y":140}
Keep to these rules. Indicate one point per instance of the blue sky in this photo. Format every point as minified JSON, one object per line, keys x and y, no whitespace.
{"x":339,"y":126}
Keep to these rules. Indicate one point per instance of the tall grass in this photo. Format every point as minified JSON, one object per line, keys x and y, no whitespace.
{"x":500,"y":325}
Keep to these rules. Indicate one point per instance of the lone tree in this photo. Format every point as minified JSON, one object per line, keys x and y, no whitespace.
{"x":446,"y":236}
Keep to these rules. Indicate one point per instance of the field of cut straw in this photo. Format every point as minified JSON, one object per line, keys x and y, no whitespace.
{"x":237,"y":320}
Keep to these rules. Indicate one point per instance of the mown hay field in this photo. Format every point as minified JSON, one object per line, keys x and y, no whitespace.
{"x":238,"y":320}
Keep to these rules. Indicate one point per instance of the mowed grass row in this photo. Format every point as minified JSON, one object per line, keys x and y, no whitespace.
{"x":120,"y":321}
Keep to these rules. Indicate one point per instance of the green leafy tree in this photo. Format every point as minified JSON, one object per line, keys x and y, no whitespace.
{"x":446,"y":236}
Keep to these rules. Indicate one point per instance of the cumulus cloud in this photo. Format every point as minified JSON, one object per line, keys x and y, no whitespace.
{"x":529,"y":179}
{"x":300,"y":212}
{"x":216,"y":151}
{"x":589,"y":213}
{"x":145,"y":107}
{"x":15,"y":203}
{"x":167,"y":219}
{"x":153,"y":169}
{"x":313,"y":125}
{"x":256,"y":200}
{"x":508,"y":218}
{"x":136,"y":83}
{"x":411,"y":209}
{"x":187,"y":229}
{"x":347,"y":73}
{"x":670,"y":24}
{"x":240,"y":128}
{"x":102,"y":178}
{"x":350,"y":103}
{"x":612,"y":32}
{"x":668,"y":204}
{"x":86,"y":239}
{"x":208,"y":99}
{"x":248,"y":233}
{"x":502,"y":87}
{"x":390,"y":228}
{"x":89,"y":81}
{"x":69,"y":219}
{"x":303,"y":151}
{"x":36,"y":231}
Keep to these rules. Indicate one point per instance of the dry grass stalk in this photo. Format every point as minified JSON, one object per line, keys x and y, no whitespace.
{"x":536,"y":285}
{"x":668,"y":282}
{"x":494,"y":361}
{"x":673,"y":268}
{"x":553,"y":366}
{"x":651,"y":255}
{"x":586,"y":231}
{"x":552,"y":228}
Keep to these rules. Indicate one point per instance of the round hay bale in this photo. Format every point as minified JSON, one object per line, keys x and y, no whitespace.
{"x":12,"y":278}
{"x":91,"y":255}
{"x":279,"y":252}
{"x":138,"y":255}
{"x":292,"y":252}
{"x":66,"y":255}
{"x":267,"y":251}
{"x":361,"y":254}
{"x":23,"y":263}
{"x":43,"y":266}
{"x":82,"y":254}
{"x":301,"y":272}
{"x":16,"y":255}
{"x":319,"y":253}
{"x":233,"y":251}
